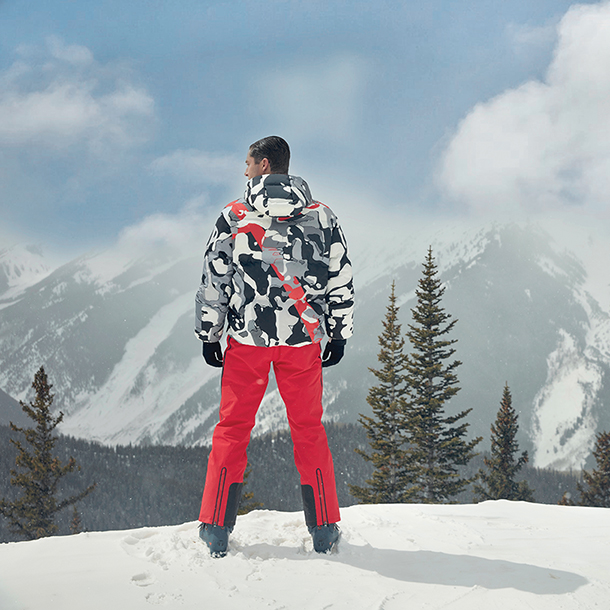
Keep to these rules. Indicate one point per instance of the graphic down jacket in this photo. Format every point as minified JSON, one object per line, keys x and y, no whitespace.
{"x":276,"y":268}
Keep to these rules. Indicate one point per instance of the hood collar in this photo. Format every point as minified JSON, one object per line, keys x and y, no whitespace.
{"x":278,"y":195}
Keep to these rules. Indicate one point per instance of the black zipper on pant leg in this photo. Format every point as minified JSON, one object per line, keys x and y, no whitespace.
{"x":219,"y":493}
{"x":322,"y":497}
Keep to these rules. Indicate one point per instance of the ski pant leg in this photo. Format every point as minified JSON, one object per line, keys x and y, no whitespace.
{"x":298,"y":371}
{"x":244,"y":380}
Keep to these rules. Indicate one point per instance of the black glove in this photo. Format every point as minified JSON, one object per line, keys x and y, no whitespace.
{"x":333,"y":352}
{"x":212,"y":354}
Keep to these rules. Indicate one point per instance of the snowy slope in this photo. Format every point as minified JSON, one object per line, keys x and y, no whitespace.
{"x":499,"y":555}
{"x":21,"y":266}
{"x":527,"y":315}
{"x":114,"y":332}
{"x":105,"y":329}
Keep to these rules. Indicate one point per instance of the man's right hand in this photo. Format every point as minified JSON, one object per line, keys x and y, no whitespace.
{"x":212,"y":354}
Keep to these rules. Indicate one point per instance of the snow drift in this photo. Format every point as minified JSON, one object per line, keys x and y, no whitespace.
{"x":500,"y":555}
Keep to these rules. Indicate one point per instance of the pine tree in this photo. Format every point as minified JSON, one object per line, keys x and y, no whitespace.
{"x":436,"y":441}
{"x":386,"y":429}
{"x":597,"y":492}
{"x":38,"y":472}
{"x":498,"y":482}
{"x":76,"y":526}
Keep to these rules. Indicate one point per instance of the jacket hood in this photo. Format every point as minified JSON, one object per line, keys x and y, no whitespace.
{"x":278,"y":195}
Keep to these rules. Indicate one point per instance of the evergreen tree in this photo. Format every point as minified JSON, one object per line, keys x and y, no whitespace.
{"x":386,"y":429}
{"x":76,"y":526}
{"x":498,"y":481}
{"x":436,"y":441}
{"x":597,"y":492}
{"x":38,"y":472}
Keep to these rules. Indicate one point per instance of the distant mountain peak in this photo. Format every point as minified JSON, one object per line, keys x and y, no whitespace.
{"x":21,"y":266}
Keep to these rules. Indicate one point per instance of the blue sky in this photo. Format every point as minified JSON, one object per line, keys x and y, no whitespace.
{"x":115,"y":112}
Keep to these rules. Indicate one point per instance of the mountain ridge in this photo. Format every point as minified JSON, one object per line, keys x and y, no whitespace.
{"x":115,"y":335}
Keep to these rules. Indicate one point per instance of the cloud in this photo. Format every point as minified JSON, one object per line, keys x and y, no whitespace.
{"x":185,"y":231}
{"x":59,"y":96}
{"x":315,"y":98}
{"x":199,"y":167}
{"x":527,"y":39}
{"x":69,"y":53}
{"x":546,"y":144}
{"x":171,"y":230}
{"x":157,"y":239}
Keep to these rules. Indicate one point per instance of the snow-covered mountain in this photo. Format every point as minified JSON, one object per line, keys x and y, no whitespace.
{"x":115,"y":336}
{"x":21,"y":266}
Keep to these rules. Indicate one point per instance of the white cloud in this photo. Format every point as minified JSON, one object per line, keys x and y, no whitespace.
{"x":59,"y":97}
{"x":186,"y":231}
{"x":200,"y":167}
{"x":158,"y":237}
{"x":544,"y":145}
{"x":315,"y":98}
{"x":527,"y":39}
{"x":70,"y":53}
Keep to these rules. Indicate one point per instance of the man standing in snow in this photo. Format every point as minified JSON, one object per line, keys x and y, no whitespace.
{"x":276,"y":269}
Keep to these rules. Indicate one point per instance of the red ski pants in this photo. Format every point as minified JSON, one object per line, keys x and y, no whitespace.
{"x":298,"y":371}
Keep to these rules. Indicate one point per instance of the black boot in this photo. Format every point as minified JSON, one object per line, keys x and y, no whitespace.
{"x":325,"y":537}
{"x":216,"y":538}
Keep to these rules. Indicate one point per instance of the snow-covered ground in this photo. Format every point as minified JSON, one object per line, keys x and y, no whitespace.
{"x":494,"y":555}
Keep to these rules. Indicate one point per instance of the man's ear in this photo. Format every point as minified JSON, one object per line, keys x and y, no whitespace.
{"x":265,"y":166}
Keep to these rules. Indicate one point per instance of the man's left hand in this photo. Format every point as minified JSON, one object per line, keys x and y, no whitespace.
{"x":333,"y":352}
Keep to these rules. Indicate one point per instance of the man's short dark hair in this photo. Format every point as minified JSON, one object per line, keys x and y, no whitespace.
{"x":275,"y":149}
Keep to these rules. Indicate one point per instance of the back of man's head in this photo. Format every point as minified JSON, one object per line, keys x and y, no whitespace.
{"x":275,"y":149}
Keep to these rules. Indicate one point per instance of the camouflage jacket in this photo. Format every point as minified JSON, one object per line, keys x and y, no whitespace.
{"x":276,"y":267}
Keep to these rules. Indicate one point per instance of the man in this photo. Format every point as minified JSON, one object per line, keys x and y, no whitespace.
{"x":276,"y":270}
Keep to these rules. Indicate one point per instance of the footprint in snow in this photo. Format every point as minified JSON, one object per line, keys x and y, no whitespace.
{"x":144,"y":579}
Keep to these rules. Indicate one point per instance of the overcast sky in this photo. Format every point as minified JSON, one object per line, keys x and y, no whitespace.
{"x":121,"y":115}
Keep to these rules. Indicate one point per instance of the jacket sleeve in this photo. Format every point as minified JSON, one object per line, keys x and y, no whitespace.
{"x":212,"y":298}
{"x":340,"y":289}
